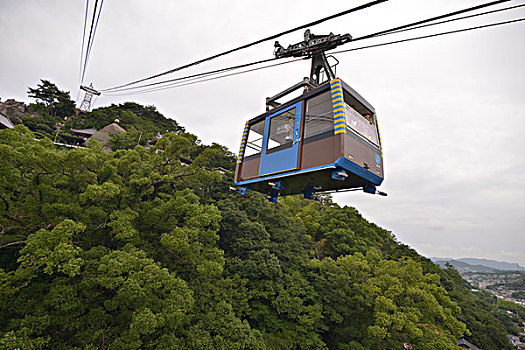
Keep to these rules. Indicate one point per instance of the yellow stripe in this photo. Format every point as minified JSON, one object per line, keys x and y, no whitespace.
{"x":340,"y":132}
{"x":334,"y":100}
{"x":339,"y":109}
{"x":337,"y":94}
{"x":337,"y":105}
{"x":337,"y":90}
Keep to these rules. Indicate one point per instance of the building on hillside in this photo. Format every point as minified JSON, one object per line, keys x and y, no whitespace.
{"x":465,"y":344}
{"x":104,"y":135}
{"x":84,"y":134}
{"x":5,"y":122}
{"x":515,"y":341}
{"x":71,"y":140}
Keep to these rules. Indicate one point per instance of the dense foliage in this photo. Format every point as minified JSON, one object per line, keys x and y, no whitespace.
{"x":136,"y":249}
{"x":54,"y":108}
{"x":131,"y":115}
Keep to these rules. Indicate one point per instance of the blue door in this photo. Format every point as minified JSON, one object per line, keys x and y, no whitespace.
{"x":281,"y":140}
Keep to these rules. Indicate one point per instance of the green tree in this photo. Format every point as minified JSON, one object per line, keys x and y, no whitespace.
{"x":57,"y":102}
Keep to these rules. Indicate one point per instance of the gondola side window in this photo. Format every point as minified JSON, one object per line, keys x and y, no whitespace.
{"x":281,"y":131}
{"x":255,"y":139}
{"x":362,"y":123}
{"x":319,"y":118}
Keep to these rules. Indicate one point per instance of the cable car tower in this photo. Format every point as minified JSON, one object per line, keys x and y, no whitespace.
{"x":85,"y":106}
{"x":325,"y":140}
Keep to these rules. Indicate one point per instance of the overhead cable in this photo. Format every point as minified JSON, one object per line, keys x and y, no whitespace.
{"x":192,"y":76}
{"x":429,"y":36}
{"x":452,"y":20}
{"x":95,"y":30}
{"x":194,"y":79}
{"x":91,"y":38}
{"x":355,"y":9}
{"x":83,"y":39}
{"x":382,"y":33}
{"x":398,"y":29}
{"x":368,"y":36}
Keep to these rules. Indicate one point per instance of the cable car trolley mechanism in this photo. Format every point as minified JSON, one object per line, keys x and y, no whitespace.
{"x":325,"y":140}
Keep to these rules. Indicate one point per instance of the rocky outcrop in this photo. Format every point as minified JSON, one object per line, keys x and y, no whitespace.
{"x":16,"y":111}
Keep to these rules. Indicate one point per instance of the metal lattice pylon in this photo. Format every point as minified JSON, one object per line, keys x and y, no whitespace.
{"x":85,"y":106}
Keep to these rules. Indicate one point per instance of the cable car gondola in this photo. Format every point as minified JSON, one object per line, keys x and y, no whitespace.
{"x":327,"y":139}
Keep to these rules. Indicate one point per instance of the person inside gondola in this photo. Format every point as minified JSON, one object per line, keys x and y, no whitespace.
{"x":289,"y":130}
{"x":369,"y":118}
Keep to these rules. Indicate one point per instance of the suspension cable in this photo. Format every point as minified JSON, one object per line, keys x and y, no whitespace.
{"x":198,"y":78}
{"x":95,"y":30}
{"x":382,"y":33}
{"x":452,"y":20}
{"x":83,"y":39}
{"x":92,"y":32}
{"x":411,"y":26}
{"x":221,"y":70}
{"x":355,"y":9}
{"x":430,"y":36}
{"x":368,"y":36}
{"x":89,"y":40}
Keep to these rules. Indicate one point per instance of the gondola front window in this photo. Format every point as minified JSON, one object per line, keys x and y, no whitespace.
{"x":281,"y":131}
{"x":255,"y":139}
{"x":362,"y":123}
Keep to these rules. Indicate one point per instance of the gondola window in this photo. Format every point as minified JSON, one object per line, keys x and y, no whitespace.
{"x":319,"y":119}
{"x":255,"y":139}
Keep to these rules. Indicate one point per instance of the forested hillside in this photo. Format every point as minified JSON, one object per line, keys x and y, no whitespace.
{"x":135,"y":250}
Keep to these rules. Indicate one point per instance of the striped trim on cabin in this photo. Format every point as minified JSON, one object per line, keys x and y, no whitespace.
{"x":338,"y":107}
{"x":243,"y":143}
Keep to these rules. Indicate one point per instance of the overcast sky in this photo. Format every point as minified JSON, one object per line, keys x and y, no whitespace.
{"x":451,"y":109}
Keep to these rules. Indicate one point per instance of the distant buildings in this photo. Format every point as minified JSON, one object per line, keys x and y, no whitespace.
{"x":84,"y":134}
{"x":80,"y":136}
{"x":465,"y":344}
